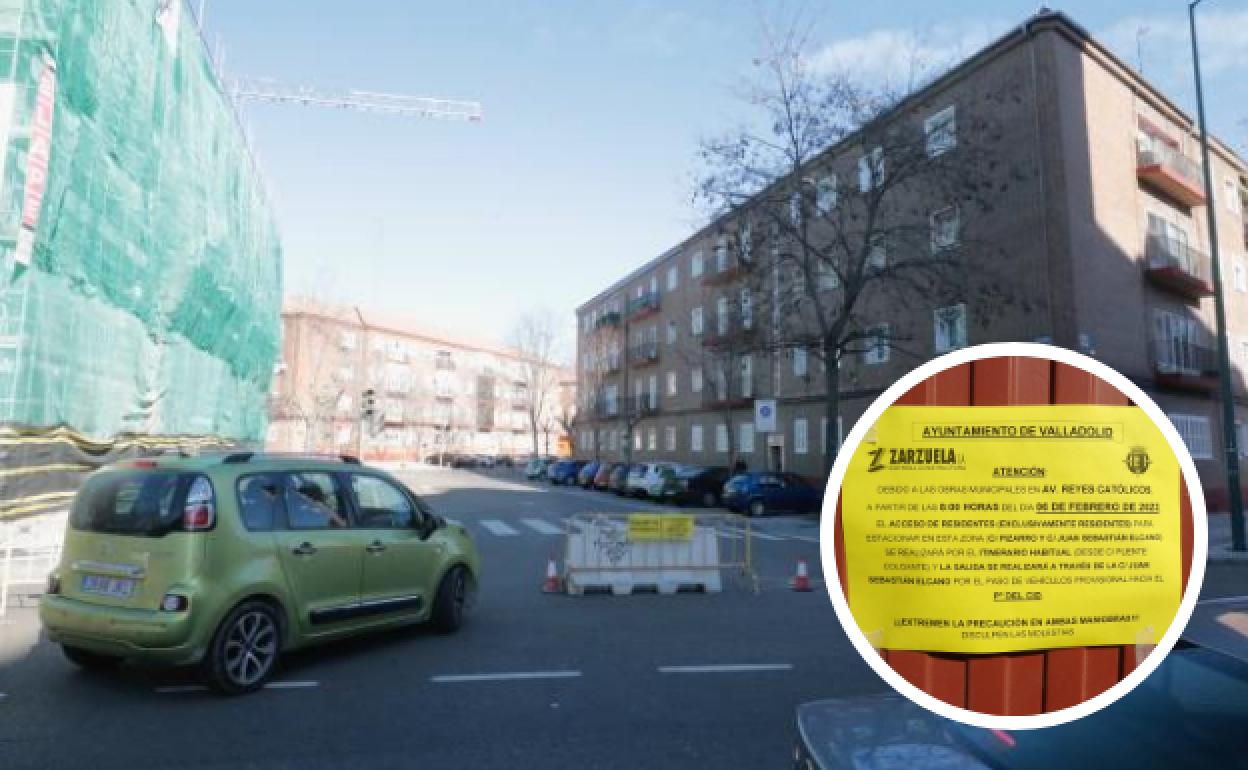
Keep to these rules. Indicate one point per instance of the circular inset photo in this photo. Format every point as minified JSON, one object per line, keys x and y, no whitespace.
{"x":1015,"y":535}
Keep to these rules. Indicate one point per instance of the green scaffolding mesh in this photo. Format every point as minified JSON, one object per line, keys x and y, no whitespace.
{"x":151,"y":304}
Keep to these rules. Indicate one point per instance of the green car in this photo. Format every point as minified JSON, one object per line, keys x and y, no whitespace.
{"x":227,"y":561}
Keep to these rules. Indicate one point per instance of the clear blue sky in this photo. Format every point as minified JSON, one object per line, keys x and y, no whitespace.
{"x":582,"y":168}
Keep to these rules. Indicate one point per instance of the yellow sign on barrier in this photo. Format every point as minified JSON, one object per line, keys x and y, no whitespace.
{"x":654,"y":527}
{"x":996,"y":529}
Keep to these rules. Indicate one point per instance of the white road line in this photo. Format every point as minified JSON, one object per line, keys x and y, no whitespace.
{"x":504,"y":677}
{"x":542,"y":527}
{"x":804,"y":538}
{"x":181,"y":688}
{"x":497,"y":527}
{"x":290,"y":685}
{"x":755,"y":533}
{"x":725,"y":668}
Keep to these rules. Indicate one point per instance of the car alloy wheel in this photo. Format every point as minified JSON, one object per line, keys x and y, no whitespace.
{"x":250,"y":648}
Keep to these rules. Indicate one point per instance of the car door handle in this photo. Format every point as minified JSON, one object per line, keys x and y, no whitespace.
{"x":303,"y":549}
{"x":375,"y":547}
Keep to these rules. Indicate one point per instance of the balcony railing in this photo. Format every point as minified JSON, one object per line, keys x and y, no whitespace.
{"x":645,"y":305}
{"x":610,"y":318}
{"x":644,"y":354}
{"x":604,"y":408}
{"x":1185,"y":365}
{"x":1174,"y":265}
{"x":1172,"y":173}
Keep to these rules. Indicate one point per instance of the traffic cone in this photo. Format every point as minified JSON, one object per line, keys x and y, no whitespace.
{"x":551,"y":584}
{"x":801,"y":581}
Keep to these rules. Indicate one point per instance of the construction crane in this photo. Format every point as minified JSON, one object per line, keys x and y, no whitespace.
{"x":273,"y":92}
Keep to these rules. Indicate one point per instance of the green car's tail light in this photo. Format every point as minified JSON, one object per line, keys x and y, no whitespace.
{"x":201,"y":506}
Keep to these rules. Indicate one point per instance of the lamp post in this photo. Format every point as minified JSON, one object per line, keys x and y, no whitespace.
{"x":1229,"y":439}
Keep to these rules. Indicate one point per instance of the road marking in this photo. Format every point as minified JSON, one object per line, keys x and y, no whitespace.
{"x":497,"y":527}
{"x":543,"y":527}
{"x":504,"y":677}
{"x":725,"y":668}
{"x":290,"y":685}
{"x":805,"y":538}
{"x":756,"y":533}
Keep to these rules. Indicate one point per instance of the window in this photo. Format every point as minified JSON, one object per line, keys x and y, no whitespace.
{"x":613,"y":400}
{"x":1177,"y":343}
{"x":259,"y":501}
{"x":695,"y":322}
{"x":800,"y":366}
{"x":747,"y":376}
{"x":671,"y":332}
{"x":878,"y":339}
{"x":747,"y":309}
{"x":745,"y":438}
{"x":1241,"y":276}
{"x":695,"y":265}
{"x":671,"y":383}
{"x":801,"y":441}
{"x":695,"y":380}
{"x":1230,"y":188}
{"x":654,"y":285}
{"x":313,"y":501}
{"x":949,"y":328}
{"x":669,"y":438}
{"x":653,"y":391}
{"x":941,"y":130}
{"x":695,"y":438}
{"x":744,"y":242}
{"x":673,"y":278}
{"x":381,"y":504}
{"x":944,"y":229}
{"x":795,"y":209}
{"x":825,"y":276}
{"x":721,"y":253}
{"x":877,"y":254}
{"x":825,"y":193}
{"x":721,"y":315}
{"x":870,"y":169}
{"x":346,"y":340}
{"x":613,"y":440}
{"x":1195,"y":434}
{"x":652,"y":439}
{"x":637,"y":441}
{"x":721,"y":438}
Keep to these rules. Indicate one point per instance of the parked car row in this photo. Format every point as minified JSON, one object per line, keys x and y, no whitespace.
{"x":754,"y":493}
{"x":470,"y":461}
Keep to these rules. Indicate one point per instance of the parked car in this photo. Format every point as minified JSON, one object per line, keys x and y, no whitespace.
{"x":658,"y":481}
{"x":565,"y":471}
{"x":1183,"y":715}
{"x":602,"y":479}
{"x":758,"y":493}
{"x":463,"y":461}
{"x":505,"y":461}
{"x":230,"y":561}
{"x":695,"y":485}
{"x":635,"y":483}
{"x":619,"y":479}
{"x":536,"y":468}
{"x":586,"y":476}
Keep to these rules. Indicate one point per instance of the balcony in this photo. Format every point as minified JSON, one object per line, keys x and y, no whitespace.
{"x":645,"y":408}
{"x":604,"y":408}
{"x":738,"y":338}
{"x":1184,"y":365}
{"x":1173,"y":265}
{"x":644,"y":354}
{"x":711,"y":400}
{"x":1172,"y":173}
{"x":719,"y":277}
{"x":643,"y":306}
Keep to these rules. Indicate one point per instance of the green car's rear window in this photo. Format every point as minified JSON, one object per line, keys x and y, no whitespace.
{"x":144,"y":503}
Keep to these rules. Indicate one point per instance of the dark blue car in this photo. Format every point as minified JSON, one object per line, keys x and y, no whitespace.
{"x":762,"y":492}
{"x":564,"y":471}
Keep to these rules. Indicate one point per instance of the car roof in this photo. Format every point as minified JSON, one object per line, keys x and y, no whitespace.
{"x":242,"y":462}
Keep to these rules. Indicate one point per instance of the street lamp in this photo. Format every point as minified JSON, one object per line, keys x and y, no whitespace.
{"x":1229,"y":439}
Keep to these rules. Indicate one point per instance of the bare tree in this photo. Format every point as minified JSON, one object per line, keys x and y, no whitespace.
{"x":846,"y":203}
{"x":536,"y":337}
{"x":600,"y":362}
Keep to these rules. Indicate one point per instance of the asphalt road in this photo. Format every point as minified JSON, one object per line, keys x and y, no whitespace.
{"x":534,"y":680}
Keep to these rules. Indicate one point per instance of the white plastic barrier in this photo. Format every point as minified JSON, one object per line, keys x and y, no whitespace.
{"x":601,"y":554}
{"x":29,"y":550}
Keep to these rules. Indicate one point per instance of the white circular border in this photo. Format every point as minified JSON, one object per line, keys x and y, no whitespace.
{"x":828,"y":549}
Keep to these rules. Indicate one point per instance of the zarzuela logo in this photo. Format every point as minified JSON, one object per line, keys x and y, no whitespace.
{"x":906,"y":459}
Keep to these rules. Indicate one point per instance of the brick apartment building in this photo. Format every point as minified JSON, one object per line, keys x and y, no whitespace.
{"x":435,"y":394}
{"x":1105,"y":231}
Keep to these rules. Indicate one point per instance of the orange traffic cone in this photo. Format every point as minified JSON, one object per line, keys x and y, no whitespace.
{"x":801,"y":581}
{"x":551,"y":585}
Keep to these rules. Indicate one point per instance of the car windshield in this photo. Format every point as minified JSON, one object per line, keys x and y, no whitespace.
{"x":1192,"y":712}
{"x":141,"y":503}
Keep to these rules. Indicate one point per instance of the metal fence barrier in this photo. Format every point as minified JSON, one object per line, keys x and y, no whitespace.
{"x":29,"y":550}
{"x":656,"y":552}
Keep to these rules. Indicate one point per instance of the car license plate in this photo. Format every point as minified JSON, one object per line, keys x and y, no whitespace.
{"x":121,"y":588}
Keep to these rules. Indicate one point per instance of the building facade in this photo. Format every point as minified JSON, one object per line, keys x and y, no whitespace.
{"x":1101,"y":222}
{"x":432,"y":396}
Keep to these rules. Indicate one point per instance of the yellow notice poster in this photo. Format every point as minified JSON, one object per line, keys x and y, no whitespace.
{"x":653,"y":526}
{"x":995,"y":529}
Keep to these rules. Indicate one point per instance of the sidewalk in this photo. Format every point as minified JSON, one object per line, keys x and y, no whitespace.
{"x":1220,"y":541}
